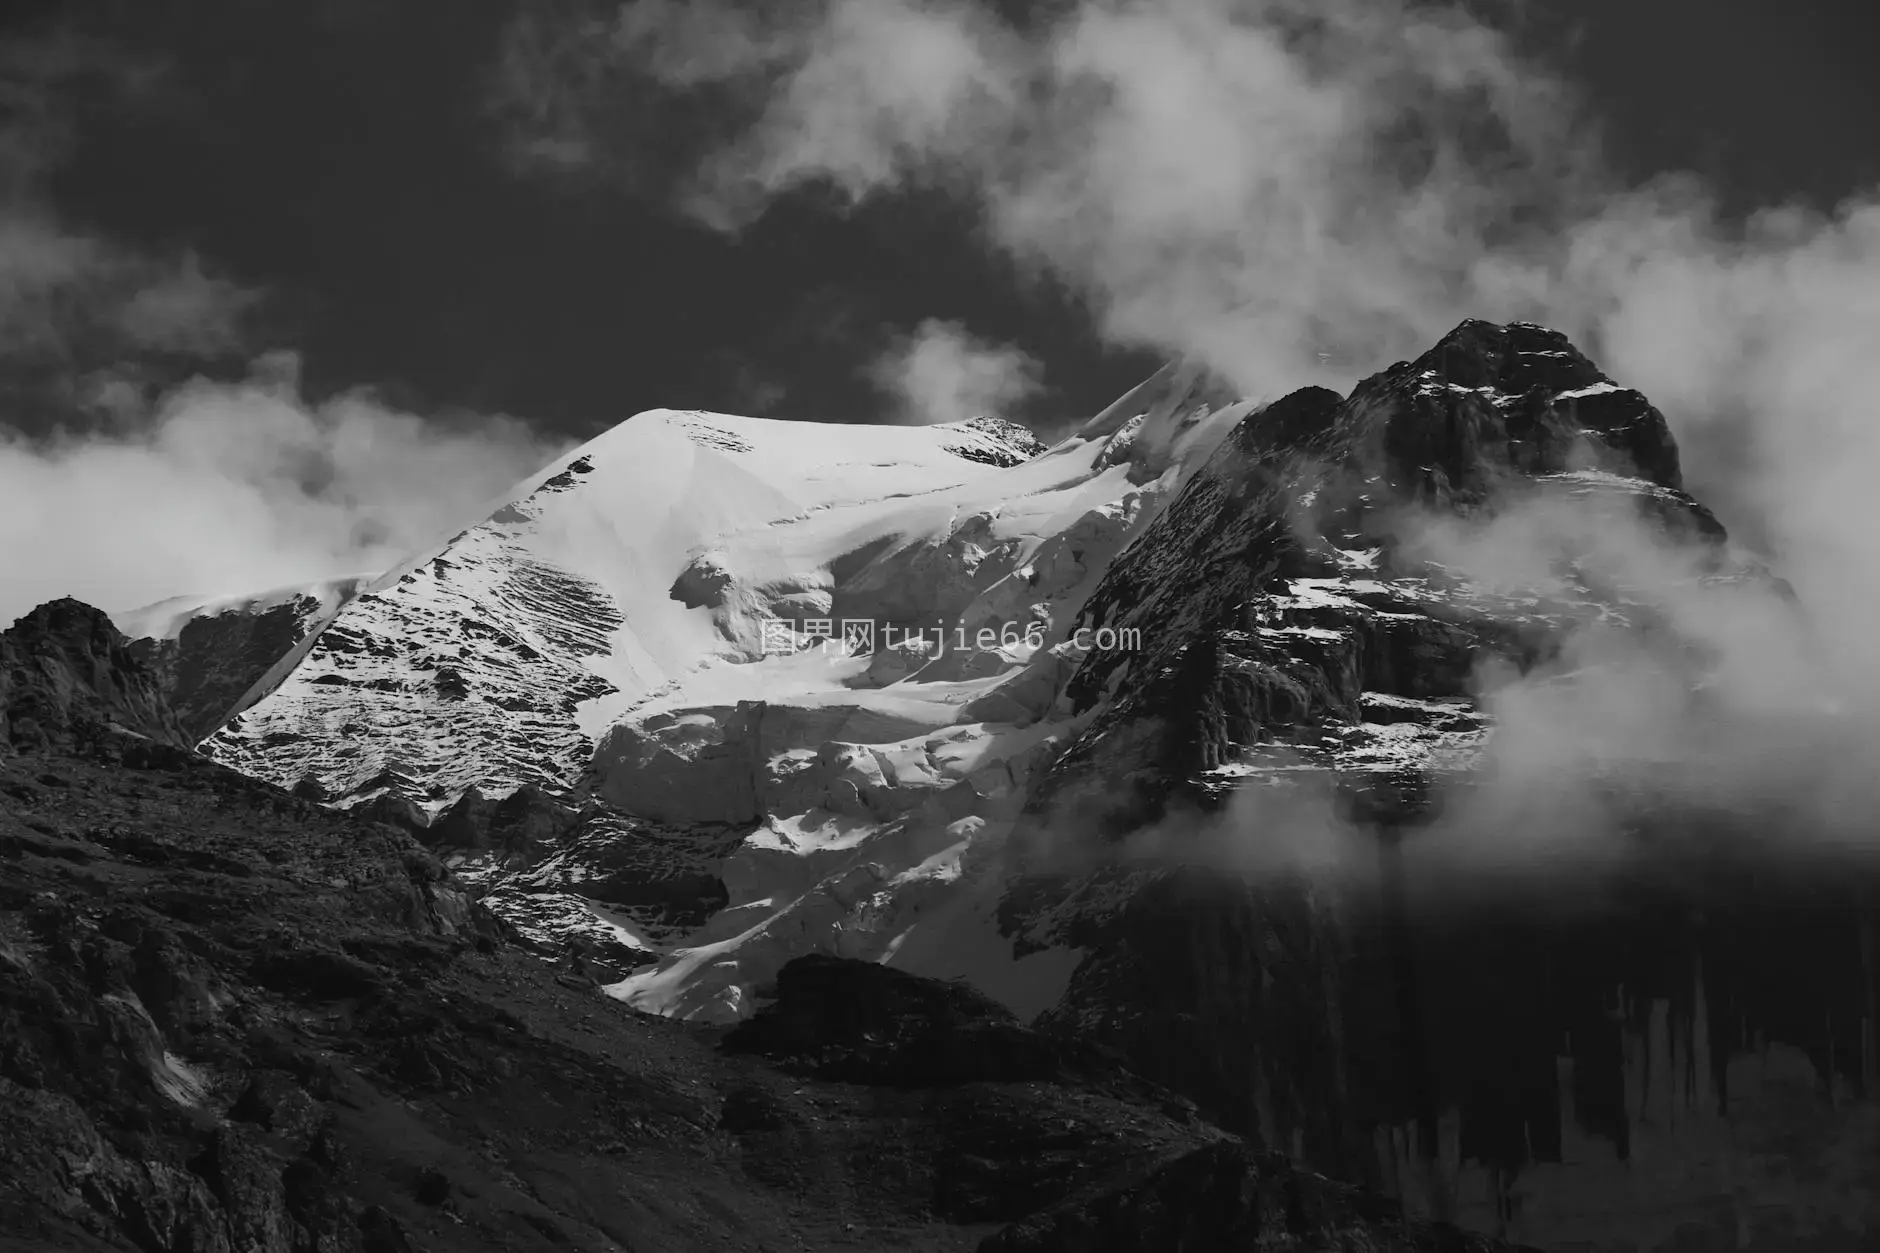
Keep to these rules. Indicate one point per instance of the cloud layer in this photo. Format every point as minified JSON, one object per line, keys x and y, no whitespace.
{"x":233,"y":488}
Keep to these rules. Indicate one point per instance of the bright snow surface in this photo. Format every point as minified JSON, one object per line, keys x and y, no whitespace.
{"x":165,"y":619}
{"x":604,"y":632}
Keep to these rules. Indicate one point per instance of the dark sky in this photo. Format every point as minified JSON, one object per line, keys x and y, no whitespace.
{"x":341,"y":156}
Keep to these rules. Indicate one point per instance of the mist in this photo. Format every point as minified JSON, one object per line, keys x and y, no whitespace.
{"x":1688,"y":679}
{"x":943,"y":373}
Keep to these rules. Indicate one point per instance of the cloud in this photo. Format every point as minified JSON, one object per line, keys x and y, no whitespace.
{"x":74,"y":299}
{"x":1685,"y":676}
{"x":942,"y":373}
{"x":229,"y":488}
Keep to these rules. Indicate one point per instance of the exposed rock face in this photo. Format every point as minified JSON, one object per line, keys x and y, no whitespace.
{"x":1272,"y":596}
{"x":1007,"y":445}
{"x":66,"y":673}
{"x":219,"y":659}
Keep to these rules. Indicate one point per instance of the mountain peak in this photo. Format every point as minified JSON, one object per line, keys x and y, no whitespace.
{"x":1490,"y":400}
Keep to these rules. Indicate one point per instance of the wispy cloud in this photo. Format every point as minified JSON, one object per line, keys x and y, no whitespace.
{"x":75,"y":299}
{"x":943,"y":373}
{"x":226,"y":488}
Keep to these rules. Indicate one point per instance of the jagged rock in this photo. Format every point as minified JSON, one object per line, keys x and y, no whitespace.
{"x":218,"y":660}
{"x":66,"y":672}
{"x":522,"y":824}
{"x":1264,"y":623}
{"x":566,"y":925}
{"x":1010,"y":444}
{"x":394,"y":810}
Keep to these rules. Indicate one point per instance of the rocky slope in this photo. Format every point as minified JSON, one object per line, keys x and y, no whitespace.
{"x":1374,"y":770}
{"x":235,"y":1020}
{"x":67,"y":677}
{"x":213,"y":658}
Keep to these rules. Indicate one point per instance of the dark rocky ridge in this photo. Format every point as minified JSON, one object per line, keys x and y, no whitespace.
{"x":1674,"y":1053}
{"x":1471,"y":423}
{"x":234,"y":1021}
{"x":216,"y":660}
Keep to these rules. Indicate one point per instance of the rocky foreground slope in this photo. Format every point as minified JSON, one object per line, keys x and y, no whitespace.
{"x":233,"y":1020}
{"x":1419,"y":780}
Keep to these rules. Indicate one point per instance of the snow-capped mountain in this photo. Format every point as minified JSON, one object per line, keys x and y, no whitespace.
{"x":497,"y":658}
{"x":633,"y":703}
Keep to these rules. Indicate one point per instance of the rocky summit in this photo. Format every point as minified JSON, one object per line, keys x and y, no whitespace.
{"x":1348,"y":821}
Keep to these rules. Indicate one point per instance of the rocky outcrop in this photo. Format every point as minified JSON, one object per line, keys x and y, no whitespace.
{"x":215,"y":662}
{"x":1002,"y":443}
{"x":67,"y":674}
